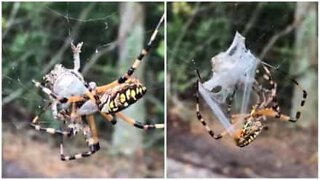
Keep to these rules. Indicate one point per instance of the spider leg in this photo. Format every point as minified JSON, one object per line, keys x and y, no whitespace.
{"x":51,"y":130}
{"x":143,"y":53}
{"x":230,"y":100}
{"x":91,"y":136}
{"x":71,"y":99}
{"x":138,"y":124}
{"x":260,"y":92}
{"x":49,"y":92}
{"x":199,"y":116}
{"x":109,"y":117}
{"x":275,"y":106}
{"x":273,"y":89}
{"x":204,"y":123}
{"x":302,"y":102}
{"x":54,"y":109}
{"x":270,"y":112}
{"x":56,"y":97}
{"x":136,"y":63}
{"x":48,"y":130}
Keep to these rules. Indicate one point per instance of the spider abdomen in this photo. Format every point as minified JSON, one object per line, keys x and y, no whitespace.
{"x":250,"y":130}
{"x":122,"y":96}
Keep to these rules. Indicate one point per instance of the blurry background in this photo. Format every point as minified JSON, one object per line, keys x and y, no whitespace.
{"x":281,"y":34}
{"x":35,"y":37}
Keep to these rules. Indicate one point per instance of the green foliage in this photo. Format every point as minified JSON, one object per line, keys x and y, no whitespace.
{"x":160,"y":49}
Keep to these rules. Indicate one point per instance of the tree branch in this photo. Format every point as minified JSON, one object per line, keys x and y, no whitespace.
{"x":253,"y":18}
{"x":280,"y":34}
{"x":11,"y":20}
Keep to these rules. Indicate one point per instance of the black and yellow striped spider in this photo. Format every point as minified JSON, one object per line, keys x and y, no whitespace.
{"x":245,"y":127}
{"x":249,"y":126}
{"x":72,"y":98}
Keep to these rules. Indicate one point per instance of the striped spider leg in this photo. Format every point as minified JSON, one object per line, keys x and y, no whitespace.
{"x":91,"y":137}
{"x":199,"y":115}
{"x":136,"y":63}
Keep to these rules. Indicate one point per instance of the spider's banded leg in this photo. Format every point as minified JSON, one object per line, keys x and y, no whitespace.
{"x":51,"y":130}
{"x":73,"y":115}
{"x":143,"y":53}
{"x":93,"y":128}
{"x":269,"y":112}
{"x":92,"y":141}
{"x":109,"y":117}
{"x":273,"y":89}
{"x":260,"y":92}
{"x":71,"y":99}
{"x":304,"y":95}
{"x":55,"y":96}
{"x":198,"y":113}
{"x":48,"y":130}
{"x":261,"y":98}
{"x":138,"y":124}
{"x":275,"y":105}
{"x":135,"y":64}
{"x":302,"y":102}
{"x":203,"y":122}
{"x":54,"y":109}
{"x":230,"y":100}
{"x":49,"y":92}
{"x":92,"y":150}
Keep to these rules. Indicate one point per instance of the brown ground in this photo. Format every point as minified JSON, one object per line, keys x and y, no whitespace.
{"x":26,"y":157}
{"x":281,"y":152}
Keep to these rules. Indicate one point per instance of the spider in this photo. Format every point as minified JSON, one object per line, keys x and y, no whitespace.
{"x":72,"y":98}
{"x":249,"y":126}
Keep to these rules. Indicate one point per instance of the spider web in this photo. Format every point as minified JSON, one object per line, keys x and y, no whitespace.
{"x":234,"y":68}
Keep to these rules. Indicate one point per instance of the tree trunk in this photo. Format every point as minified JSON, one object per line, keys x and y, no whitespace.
{"x":126,"y":138}
{"x":306,"y":62}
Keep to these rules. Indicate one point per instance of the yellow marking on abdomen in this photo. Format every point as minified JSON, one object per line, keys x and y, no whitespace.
{"x":128,"y":94}
{"x":133,"y":94}
{"x":122,"y":98}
